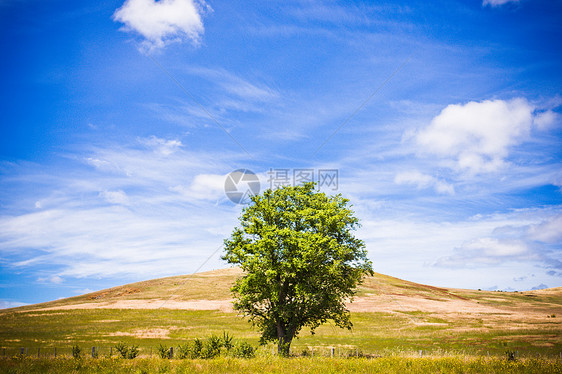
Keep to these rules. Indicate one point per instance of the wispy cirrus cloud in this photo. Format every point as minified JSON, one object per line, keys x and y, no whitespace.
{"x":424,"y":181}
{"x":150,"y":207}
{"x":512,"y":243}
{"x":497,"y":3}
{"x":5,"y":304}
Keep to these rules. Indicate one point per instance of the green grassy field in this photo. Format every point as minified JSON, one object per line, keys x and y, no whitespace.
{"x":372,"y":333}
{"x":387,"y":365}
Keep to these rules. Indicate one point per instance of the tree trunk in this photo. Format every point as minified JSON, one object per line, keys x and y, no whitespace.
{"x":284,"y":340}
{"x":284,"y":346}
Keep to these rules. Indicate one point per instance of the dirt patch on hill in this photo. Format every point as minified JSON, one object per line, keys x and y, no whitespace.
{"x":145,"y":334}
{"x":222,"y":305}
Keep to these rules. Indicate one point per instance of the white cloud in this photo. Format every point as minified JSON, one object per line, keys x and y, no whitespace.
{"x":541,"y":286}
{"x":511,"y":242}
{"x":424,"y":181}
{"x":4,"y":304}
{"x":496,"y":3}
{"x":488,"y":251}
{"x":162,"y":22}
{"x":548,"y":231}
{"x":474,"y":252}
{"x":545,"y":120}
{"x":55,"y":279}
{"x":236,"y":92}
{"x":477,"y":136}
{"x":162,"y":146}
{"x":492,"y":247}
{"x":204,"y":186}
{"x":77,"y":234}
{"x":115,"y":197}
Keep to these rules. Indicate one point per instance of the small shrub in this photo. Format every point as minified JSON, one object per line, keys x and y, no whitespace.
{"x":133,"y":352}
{"x":511,"y":355}
{"x":212,"y":347}
{"x":76,"y":351}
{"x":127,"y":352}
{"x":227,"y":341}
{"x":197,"y":348}
{"x":244,"y":350}
{"x":122,"y":349}
{"x":183,"y":351}
{"x":553,"y":316}
{"x":163,"y":351}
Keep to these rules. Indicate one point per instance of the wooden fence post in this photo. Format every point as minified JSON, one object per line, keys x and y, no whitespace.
{"x":332,"y":352}
{"x":38,"y":352}
{"x":55,"y":352}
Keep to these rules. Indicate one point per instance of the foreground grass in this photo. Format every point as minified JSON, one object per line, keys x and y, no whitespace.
{"x":458,"y":364}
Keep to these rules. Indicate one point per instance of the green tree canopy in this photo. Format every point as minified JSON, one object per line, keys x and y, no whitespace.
{"x":300,"y":259}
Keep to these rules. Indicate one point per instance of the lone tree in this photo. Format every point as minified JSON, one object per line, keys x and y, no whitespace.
{"x":300,"y":259}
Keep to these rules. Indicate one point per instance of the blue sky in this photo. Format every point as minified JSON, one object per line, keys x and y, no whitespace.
{"x":121,"y":120}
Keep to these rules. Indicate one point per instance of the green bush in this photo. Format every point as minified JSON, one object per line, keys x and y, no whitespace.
{"x":163,"y":351}
{"x":212,"y":347}
{"x":183,"y":351}
{"x":126,"y":351}
{"x":197,"y":348}
{"x":244,"y":350}
{"x":76,"y":351}
{"x":227,"y":341}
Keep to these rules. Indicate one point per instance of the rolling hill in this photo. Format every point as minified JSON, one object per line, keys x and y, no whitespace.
{"x":388,"y":313}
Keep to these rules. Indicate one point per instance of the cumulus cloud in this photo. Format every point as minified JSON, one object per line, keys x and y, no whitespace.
{"x":424,"y":181}
{"x":496,"y":3}
{"x":162,"y":22}
{"x":478,"y":136}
